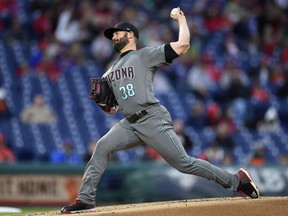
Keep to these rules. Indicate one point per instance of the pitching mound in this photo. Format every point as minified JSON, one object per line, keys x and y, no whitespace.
{"x":201,"y":207}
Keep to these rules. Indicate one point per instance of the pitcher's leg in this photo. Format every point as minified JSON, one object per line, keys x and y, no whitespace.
{"x":117,"y":138}
{"x":174,"y":153}
{"x":159,"y":134}
{"x":198,"y":167}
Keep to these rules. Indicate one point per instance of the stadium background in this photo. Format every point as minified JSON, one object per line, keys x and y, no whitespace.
{"x":233,"y":81}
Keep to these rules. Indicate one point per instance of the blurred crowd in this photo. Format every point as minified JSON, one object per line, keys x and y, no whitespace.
{"x":236,"y":68}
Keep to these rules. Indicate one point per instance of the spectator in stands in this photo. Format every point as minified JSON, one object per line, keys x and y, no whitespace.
{"x":214,"y":154}
{"x":282,"y":91}
{"x":276,"y":76}
{"x":235,"y":13}
{"x":272,"y":23}
{"x":259,"y":105}
{"x":17,"y":30}
{"x":6,"y":154}
{"x":179,"y":127}
{"x":260,"y":72}
{"x":203,"y":77}
{"x":283,"y":159}
{"x":42,"y":24}
{"x":22,"y":68}
{"x":8,"y":10}
{"x":48,"y":66}
{"x":231,"y":46}
{"x":220,"y":150}
{"x":269,"y":40}
{"x":101,"y":50}
{"x":214,"y":18}
{"x":68,"y":28}
{"x":258,"y":157}
{"x":47,"y":60}
{"x":284,"y":55}
{"x":38,"y":112}
{"x":214,"y":113}
{"x":65,"y":155}
{"x":223,"y":138}
{"x":4,"y":110}
{"x":197,"y":118}
{"x":237,"y":91}
{"x":226,"y":118}
{"x":260,"y":101}
{"x":228,"y":160}
{"x":258,"y":93}
{"x":270,"y":122}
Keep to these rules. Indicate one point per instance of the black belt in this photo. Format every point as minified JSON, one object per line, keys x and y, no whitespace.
{"x":135,"y":117}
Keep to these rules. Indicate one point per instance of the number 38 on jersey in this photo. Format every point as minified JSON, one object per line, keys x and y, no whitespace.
{"x":127,"y":91}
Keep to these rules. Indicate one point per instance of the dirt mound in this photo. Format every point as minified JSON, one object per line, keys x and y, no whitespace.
{"x":200,"y":207}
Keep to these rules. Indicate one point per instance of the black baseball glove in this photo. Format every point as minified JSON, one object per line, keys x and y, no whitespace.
{"x":101,"y":93}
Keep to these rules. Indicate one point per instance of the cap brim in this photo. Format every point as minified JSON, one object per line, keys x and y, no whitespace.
{"x":108,"y":33}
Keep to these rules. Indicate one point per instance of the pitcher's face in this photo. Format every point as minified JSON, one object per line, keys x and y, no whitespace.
{"x":120,"y":40}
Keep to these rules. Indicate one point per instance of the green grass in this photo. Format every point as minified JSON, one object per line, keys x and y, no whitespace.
{"x":26,"y":210}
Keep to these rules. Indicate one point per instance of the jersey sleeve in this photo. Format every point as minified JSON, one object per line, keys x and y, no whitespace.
{"x":153,"y":56}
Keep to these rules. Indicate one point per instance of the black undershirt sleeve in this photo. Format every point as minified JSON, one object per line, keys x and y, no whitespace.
{"x":170,"y":54}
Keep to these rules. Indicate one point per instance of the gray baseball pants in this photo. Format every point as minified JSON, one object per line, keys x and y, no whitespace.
{"x":156,"y":130}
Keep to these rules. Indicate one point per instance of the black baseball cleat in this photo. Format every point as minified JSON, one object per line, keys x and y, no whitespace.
{"x":77,"y":207}
{"x":246,"y":185}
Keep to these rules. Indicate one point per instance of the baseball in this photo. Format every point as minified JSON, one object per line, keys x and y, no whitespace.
{"x":174,"y":12}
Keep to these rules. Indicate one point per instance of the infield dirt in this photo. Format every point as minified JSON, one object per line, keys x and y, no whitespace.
{"x":270,"y":206}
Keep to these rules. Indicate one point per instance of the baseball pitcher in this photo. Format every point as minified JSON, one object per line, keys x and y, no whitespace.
{"x":127,"y":86}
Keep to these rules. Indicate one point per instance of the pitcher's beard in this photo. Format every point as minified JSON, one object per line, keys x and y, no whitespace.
{"x":121,"y":43}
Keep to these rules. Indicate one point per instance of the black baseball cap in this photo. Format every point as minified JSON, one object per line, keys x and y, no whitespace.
{"x":122,"y":26}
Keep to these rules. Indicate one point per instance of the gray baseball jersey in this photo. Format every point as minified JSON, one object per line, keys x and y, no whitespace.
{"x":131,"y":79}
